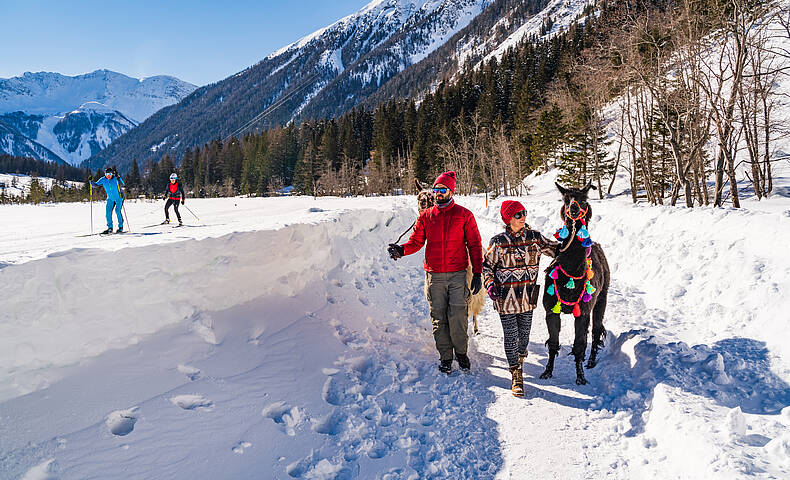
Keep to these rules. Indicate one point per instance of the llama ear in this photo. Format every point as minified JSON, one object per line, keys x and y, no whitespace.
{"x":562,"y":190}
{"x":418,"y":185}
{"x":588,"y":187}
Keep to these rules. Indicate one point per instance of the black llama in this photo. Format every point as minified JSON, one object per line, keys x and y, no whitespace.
{"x":577,"y":282}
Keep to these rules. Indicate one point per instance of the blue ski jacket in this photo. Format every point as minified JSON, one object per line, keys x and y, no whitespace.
{"x":111,"y":187}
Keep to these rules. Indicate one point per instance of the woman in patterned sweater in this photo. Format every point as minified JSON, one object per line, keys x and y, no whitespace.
{"x":510,"y":269}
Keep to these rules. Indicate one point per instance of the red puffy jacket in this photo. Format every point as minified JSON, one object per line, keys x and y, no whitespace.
{"x":450,"y":232}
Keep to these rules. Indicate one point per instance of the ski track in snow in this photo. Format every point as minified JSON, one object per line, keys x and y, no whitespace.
{"x":326,"y":368}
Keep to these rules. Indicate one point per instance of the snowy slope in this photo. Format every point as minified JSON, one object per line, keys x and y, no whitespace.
{"x":19,"y":185}
{"x":562,"y":14}
{"x":55,"y":117}
{"x":14,"y":143}
{"x":275,"y":338}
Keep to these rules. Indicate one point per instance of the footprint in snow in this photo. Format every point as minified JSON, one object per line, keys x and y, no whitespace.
{"x":191,"y":402}
{"x":192,"y":373}
{"x":288,"y":418}
{"x":240,"y":447}
{"x":121,"y":422}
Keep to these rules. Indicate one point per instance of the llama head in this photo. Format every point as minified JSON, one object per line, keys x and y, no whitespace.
{"x":574,"y":203}
{"x":425,"y":198}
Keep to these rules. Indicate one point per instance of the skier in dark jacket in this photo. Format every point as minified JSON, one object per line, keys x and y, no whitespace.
{"x":111,"y":183}
{"x":174,"y":194}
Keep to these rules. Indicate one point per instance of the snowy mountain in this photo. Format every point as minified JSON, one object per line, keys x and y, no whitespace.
{"x":15,"y":143}
{"x":331,"y":71}
{"x":76,"y":117}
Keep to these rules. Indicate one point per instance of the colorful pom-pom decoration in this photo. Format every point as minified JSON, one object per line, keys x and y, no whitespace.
{"x":554,"y":274}
{"x":557,"y":308}
{"x":586,"y":297}
{"x":564,"y":232}
{"x":588,"y":250}
{"x":590,"y":274}
{"x":576,"y":310}
{"x":587,"y":242}
{"x":570,"y":284}
{"x":550,"y":290}
{"x":557,"y":234}
{"x":590,"y":288}
{"x":583,"y":233}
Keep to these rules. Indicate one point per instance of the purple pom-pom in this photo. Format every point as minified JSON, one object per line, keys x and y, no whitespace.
{"x":554,"y":274}
{"x":587,"y":297}
{"x":588,"y":250}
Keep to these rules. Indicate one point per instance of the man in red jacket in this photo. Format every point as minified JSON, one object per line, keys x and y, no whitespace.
{"x":450,"y":234}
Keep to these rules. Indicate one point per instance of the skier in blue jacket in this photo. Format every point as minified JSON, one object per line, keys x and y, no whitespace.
{"x":112,"y":186}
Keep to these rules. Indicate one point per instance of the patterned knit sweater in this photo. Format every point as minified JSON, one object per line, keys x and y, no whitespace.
{"x":511,"y":263}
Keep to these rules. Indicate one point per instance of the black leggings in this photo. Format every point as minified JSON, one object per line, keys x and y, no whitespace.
{"x":516,"y":327}
{"x":174,"y":203}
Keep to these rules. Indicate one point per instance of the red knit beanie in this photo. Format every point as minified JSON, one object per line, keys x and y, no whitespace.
{"x":510,"y":208}
{"x":447,"y":179}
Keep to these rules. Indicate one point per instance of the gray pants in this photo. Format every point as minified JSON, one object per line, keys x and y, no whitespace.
{"x":447,"y":296}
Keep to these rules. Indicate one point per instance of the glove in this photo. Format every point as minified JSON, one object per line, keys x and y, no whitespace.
{"x":477,"y":282}
{"x":395,"y":251}
{"x":182,"y":202}
{"x":493,"y":292}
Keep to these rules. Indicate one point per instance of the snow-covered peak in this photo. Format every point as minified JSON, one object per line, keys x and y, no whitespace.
{"x":48,"y":93}
{"x":93,"y":107}
{"x":377,"y":11}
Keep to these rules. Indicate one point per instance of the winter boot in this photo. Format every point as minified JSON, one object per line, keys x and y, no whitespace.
{"x":119,"y":230}
{"x":180,"y":222}
{"x":167,"y":220}
{"x":463,"y":361}
{"x":580,"y":380}
{"x":446,"y":366}
{"x":522,"y":357}
{"x":106,"y":232}
{"x":518,"y":381}
{"x":549,"y":372}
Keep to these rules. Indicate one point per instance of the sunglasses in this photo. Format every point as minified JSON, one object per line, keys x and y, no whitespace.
{"x":519,"y":215}
{"x":440,"y":190}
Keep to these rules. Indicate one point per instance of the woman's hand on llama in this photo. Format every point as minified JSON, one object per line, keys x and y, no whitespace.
{"x":493,"y":292}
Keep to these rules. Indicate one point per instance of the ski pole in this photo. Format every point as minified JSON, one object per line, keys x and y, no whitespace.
{"x":123,"y":203}
{"x":90,"y":185}
{"x":190,"y":211}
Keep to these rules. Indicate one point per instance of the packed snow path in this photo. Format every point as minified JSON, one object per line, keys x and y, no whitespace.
{"x":303,"y":351}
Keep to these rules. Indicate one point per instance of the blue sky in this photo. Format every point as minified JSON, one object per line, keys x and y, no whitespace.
{"x":197,"y":41}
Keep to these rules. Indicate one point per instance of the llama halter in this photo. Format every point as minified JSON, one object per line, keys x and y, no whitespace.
{"x":586,"y":294}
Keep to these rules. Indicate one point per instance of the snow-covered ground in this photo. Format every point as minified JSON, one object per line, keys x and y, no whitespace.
{"x":274,"y":338}
{"x":19,"y":185}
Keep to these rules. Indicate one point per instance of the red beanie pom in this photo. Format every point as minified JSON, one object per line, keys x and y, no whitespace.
{"x":447,"y":179}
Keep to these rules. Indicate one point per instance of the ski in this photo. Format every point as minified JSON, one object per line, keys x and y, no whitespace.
{"x":156,"y":225}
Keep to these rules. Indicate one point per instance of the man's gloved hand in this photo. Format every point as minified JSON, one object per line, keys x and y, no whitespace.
{"x":182,"y":201}
{"x":477,"y":283}
{"x":395,"y":251}
{"x":493,"y":292}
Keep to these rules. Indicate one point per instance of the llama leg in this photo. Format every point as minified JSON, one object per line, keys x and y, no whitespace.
{"x":582,"y":325}
{"x":598,"y":330}
{"x":474,"y":324}
{"x":553,"y":324}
